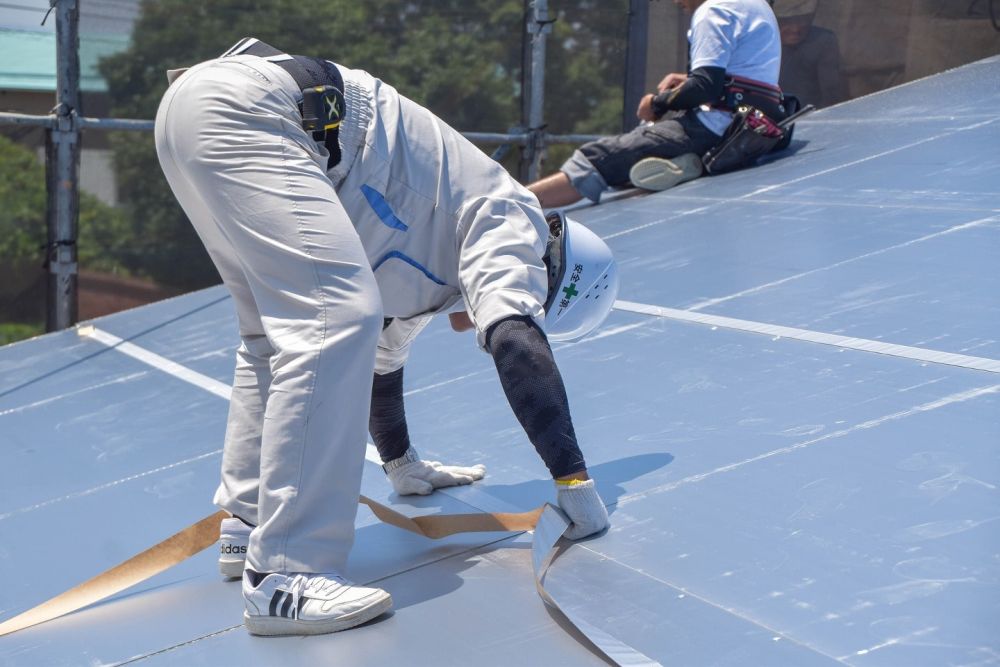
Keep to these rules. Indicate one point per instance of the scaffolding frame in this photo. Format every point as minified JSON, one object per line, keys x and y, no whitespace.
{"x":63,"y":128}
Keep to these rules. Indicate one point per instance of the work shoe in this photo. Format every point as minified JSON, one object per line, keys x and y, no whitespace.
{"x":234,"y":536}
{"x":307,"y":604}
{"x":653,"y":173}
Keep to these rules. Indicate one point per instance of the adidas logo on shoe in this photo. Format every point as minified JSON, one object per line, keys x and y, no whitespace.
{"x":307,"y":604}
{"x":234,"y":538}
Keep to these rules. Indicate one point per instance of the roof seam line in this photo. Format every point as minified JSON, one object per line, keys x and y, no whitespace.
{"x":716,"y":605}
{"x":844,"y":342}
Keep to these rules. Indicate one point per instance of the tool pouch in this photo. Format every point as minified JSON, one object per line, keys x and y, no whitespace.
{"x":750,"y":136}
{"x":322,"y":109}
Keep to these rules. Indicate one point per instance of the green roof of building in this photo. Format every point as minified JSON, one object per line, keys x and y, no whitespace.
{"x":28,"y":59}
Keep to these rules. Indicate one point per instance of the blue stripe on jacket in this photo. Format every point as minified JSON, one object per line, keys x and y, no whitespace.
{"x":395,"y":254}
{"x":382,"y":208}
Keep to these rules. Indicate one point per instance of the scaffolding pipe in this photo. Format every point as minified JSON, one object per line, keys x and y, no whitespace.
{"x":138,"y":125}
{"x":635,"y":61}
{"x":523,"y":138}
{"x":81,"y":122}
{"x":62,"y":147}
{"x":7,"y":118}
{"x":537,"y":26}
{"x":115,"y":124}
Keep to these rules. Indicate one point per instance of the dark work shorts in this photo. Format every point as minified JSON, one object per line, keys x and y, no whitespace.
{"x":614,"y":156}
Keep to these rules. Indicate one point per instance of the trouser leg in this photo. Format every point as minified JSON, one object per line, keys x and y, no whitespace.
{"x":239,"y":488}
{"x":258,"y":195}
{"x":607,"y":160}
{"x":240,"y":478}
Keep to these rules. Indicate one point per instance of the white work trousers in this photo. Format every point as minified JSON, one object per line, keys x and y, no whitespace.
{"x":254,"y":185}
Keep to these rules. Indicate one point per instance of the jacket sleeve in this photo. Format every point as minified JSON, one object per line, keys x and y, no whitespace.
{"x":703,"y":86}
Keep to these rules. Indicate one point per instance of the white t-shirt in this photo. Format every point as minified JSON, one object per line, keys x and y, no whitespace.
{"x":742,"y":37}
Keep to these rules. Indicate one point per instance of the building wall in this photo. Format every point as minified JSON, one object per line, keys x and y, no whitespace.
{"x":96,"y":157}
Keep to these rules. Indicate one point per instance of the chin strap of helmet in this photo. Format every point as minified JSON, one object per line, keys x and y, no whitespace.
{"x":555,"y":256}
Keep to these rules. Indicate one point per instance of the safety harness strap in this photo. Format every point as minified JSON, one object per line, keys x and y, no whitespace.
{"x":322,"y":89}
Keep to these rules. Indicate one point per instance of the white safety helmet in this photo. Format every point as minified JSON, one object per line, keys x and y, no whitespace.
{"x":583,"y":279}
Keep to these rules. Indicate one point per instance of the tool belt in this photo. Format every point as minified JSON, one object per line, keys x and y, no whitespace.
{"x":741,"y":92}
{"x":322,"y":87}
{"x":751,"y":135}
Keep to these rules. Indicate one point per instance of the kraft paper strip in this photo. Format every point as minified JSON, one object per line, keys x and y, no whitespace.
{"x":150,"y":562}
{"x":547,"y":522}
{"x":205,"y":533}
{"x":442,"y":525}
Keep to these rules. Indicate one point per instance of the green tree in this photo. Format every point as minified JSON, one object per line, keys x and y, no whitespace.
{"x":460,"y":58}
{"x":102,"y":230}
{"x":103,"y":239}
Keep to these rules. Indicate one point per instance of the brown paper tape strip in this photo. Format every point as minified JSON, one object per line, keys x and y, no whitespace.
{"x":154,"y":560}
{"x":205,"y":533}
{"x":443,"y":525}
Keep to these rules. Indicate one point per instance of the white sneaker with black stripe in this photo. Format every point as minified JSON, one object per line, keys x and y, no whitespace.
{"x":234,"y":537}
{"x":307,"y":604}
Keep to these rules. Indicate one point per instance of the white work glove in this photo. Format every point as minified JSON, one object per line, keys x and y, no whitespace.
{"x":584,"y":508}
{"x":411,"y":476}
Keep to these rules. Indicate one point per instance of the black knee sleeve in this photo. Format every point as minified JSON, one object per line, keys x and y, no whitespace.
{"x":387,"y":418}
{"x":535,"y":391}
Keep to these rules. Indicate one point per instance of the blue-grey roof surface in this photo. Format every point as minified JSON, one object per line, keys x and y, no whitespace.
{"x":792,"y":415}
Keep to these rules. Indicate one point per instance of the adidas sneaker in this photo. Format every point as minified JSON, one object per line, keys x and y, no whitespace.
{"x":234,"y":537}
{"x":657,"y":174}
{"x":307,"y":604}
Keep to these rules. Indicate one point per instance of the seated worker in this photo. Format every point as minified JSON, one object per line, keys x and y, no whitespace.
{"x":340,"y":216}
{"x":810,"y":56}
{"x":734,"y":51}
